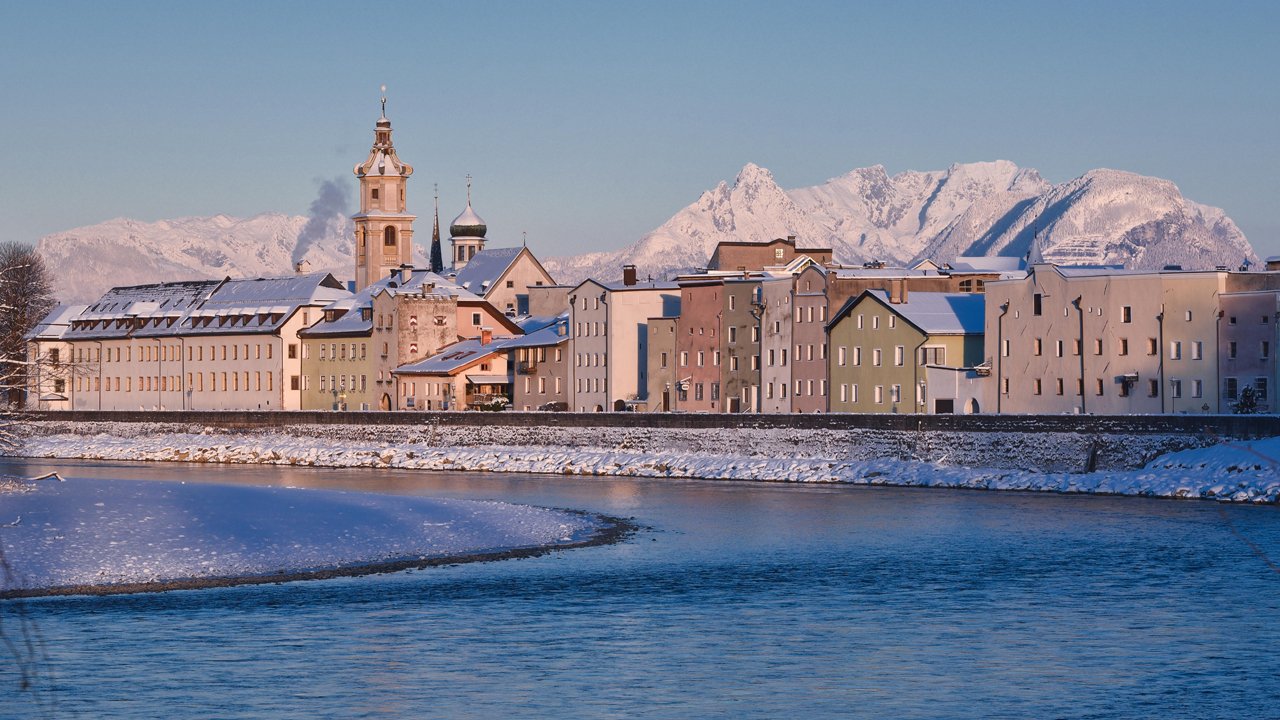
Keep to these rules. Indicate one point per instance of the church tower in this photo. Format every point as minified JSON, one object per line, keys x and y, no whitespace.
{"x":384,"y":231}
{"x":467,"y":233}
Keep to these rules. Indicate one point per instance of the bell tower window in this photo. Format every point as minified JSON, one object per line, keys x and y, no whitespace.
{"x":389,"y":236}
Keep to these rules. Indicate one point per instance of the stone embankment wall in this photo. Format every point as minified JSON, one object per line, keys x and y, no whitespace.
{"x":1044,"y":443}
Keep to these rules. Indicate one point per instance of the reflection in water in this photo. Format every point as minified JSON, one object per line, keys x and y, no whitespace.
{"x":751,"y":600}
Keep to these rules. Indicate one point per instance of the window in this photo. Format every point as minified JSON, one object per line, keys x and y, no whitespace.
{"x":899,"y":355}
{"x":1260,"y":388}
{"x":701,"y":358}
{"x":755,"y":333}
{"x":933,"y":356}
{"x":778,"y":253}
{"x":1124,"y":346}
{"x":697,"y":391}
{"x":1004,"y":348}
{"x":684,"y":359}
{"x":1197,"y":350}
{"x":733,"y":363}
{"x":1231,"y":350}
{"x":373,"y":193}
{"x":1098,"y":391}
{"x":879,"y":394}
{"x":1188,"y":316}
{"x":389,"y":236}
{"x":1153,"y":388}
{"x":875,"y":357}
{"x":893,"y":321}
{"x":1036,"y":387}
{"x":733,"y":334}
{"x":715,"y":358}
{"x":1058,"y":347}
{"x":1076,"y":346}
{"x":1197,"y":388}
{"x":715,"y":391}
{"x":1097,"y":346}
{"x":511,"y":284}
{"x":857,"y":355}
{"x":475,"y":318}
{"x":1037,"y":304}
{"x":293,"y":383}
{"x":1126,"y":314}
{"x":1175,"y":388}
{"x":1175,"y":351}
{"x":1266,"y":349}
{"x":844,"y":392}
{"x":840,"y":355}
{"x":1037,"y":346}
{"x":1153,"y":346}
{"x":662,"y":361}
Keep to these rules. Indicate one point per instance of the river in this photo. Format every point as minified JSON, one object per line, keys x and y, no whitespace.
{"x":743,"y":600}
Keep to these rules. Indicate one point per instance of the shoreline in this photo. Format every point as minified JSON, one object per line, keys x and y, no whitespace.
{"x":614,"y":530}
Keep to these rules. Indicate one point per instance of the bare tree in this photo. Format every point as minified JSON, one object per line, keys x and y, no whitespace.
{"x":26,"y":297}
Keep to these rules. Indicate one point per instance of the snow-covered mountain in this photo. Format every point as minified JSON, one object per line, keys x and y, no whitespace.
{"x":989,"y":208}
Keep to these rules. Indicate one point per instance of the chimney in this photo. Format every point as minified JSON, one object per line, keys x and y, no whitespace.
{"x":897,"y":291}
{"x":791,"y":239}
{"x":486,"y":335}
{"x":406,"y":274}
{"x":628,"y":275}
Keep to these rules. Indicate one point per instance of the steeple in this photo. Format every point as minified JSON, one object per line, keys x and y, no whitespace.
{"x":384,"y":230}
{"x":437,"y":256}
{"x":467,"y":233}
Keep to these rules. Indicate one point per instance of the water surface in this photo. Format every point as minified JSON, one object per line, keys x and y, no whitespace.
{"x":739,"y":600}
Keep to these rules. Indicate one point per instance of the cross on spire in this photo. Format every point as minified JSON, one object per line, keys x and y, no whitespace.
{"x":468,"y":189}
{"x":384,"y":101}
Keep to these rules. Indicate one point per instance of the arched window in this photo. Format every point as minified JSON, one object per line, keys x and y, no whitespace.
{"x":389,"y":236}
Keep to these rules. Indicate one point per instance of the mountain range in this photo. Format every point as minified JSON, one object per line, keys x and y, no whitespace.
{"x":987,"y":208}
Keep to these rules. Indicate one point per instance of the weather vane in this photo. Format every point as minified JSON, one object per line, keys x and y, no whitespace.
{"x":384,"y":101}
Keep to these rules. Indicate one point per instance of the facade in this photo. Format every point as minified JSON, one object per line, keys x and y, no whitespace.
{"x":540,"y":367}
{"x":748,"y":256}
{"x":458,"y":377}
{"x":698,"y":349}
{"x":503,"y":276}
{"x":1104,"y":341}
{"x":1248,"y":333}
{"x":51,"y":372}
{"x":200,"y":345}
{"x":809,"y":338}
{"x":882,"y":342}
{"x":663,"y":392}
{"x":775,"y":344}
{"x":739,"y":345}
{"x":608,"y":324}
{"x":384,"y":230}
{"x":349,"y":356}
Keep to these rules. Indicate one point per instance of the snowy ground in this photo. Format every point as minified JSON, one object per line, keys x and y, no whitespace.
{"x":118,"y":535}
{"x":1230,"y":471}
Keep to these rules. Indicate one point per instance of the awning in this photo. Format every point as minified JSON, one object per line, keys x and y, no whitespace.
{"x":488,"y":379}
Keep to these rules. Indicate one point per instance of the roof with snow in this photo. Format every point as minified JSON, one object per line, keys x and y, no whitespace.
{"x":987,"y":263}
{"x":203,"y":307}
{"x":482,"y":271}
{"x":352,"y":322}
{"x":554,"y":334}
{"x":55,"y":324}
{"x":454,"y":358}
{"x":933,"y":313}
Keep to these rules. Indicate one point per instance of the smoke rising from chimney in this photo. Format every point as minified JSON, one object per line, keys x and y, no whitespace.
{"x":330,"y":206}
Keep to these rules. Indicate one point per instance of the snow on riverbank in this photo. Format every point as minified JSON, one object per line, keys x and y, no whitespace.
{"x":118,"y":533}
{"x":1230,"y":471}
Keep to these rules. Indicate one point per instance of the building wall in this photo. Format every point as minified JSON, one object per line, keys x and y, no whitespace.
{"x":510,"y":293}
{"x":809,"y":392}
{"x":662,"y":391}
{"x":699,"y":335}
{"x":741,"y":346}
{"x":756,"y":256}
{"x":1249,"y":333}
{"x":1147,"y":337}
{"x":588,"y":325}
{"x":610,"y":342}
{"x":875,"y":364}
{"x":775,"y":346}
{"x":541,"y":376}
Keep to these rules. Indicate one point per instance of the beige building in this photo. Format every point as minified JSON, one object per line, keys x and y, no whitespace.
{"x":51,"y":373}
{"x":200,"y":345}
{"x":609,"y":340}
{"x":1104,"y":341}
{"x":458,"y":377}
{"x":746,"y":256}
{"x":384,"y":230}
{"x":882,"y":342}
{"x":664,"y":391}
{"x":503,"y":276}
{"x":541,"y":371}
{"x":349,"y":356}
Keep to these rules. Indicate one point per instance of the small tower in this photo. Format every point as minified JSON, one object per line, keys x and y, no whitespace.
{"x":437,"y":257}
{"x":466,"y":234}
{"x":384,"y":230}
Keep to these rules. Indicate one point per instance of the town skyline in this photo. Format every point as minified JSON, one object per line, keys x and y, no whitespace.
{"x":588,"y":127}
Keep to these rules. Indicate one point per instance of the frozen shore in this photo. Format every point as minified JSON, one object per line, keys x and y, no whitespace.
{"x":1235,"y":471}
{"x":112,"y":536}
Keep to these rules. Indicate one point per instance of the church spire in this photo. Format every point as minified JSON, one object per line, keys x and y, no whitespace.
{"x":437,"y":255}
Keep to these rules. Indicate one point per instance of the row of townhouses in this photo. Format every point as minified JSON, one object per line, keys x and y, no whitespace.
{"x":765,"y":328}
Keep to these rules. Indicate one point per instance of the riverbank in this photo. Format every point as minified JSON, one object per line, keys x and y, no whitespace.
{"x":104,"y":537}
{"x":1174,"y":466}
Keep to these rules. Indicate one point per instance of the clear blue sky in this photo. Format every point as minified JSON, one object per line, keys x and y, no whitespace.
{"x":588,"y":124}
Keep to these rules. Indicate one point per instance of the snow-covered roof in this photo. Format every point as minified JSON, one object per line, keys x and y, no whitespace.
{"x":554,"y":334}
{"x":937,"y":313}
{"x":353,"y":322}
{"x":455,"y":357}
{"x":204,"y":307}
{"x":482,"y":271}
{"x":56,"y":323}
{"x":987,"y":263}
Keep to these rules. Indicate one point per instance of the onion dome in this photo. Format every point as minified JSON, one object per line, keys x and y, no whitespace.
{"x":468,"y":224}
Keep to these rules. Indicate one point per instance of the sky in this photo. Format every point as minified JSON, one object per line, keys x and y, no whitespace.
{"x":587,"y":124}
